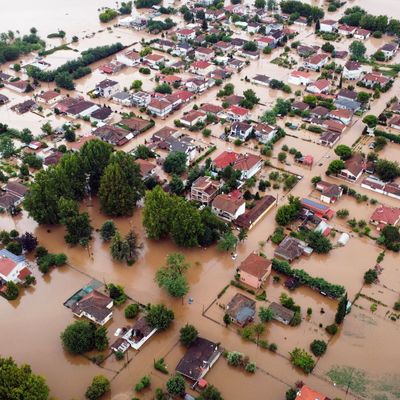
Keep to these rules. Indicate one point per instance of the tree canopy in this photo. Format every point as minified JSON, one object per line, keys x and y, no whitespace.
{"x":20,"y":383}
{"x":121,"y":185}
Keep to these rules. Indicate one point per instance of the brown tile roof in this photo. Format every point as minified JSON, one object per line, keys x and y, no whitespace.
{"x":94,"y":304}
{"x":255,"y":265}
{"x":226,"y":203}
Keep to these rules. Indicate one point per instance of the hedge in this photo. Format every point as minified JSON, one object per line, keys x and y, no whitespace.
{"x":390,"y":136}
{"x":320,"y":284}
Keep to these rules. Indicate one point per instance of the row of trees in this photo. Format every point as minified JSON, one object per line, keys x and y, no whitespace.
{"x":356,"y":16}
{"x":303,"y":9}
{"x":320,"y":284}
{"x":74,"y":69}
{"x":95,"y":169}
{"x":167,"y":215}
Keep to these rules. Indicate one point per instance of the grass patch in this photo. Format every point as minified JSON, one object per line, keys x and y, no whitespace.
{"x":348,"y":377}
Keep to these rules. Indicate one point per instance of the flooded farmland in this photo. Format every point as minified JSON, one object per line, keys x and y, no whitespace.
{"x":362,"y":359}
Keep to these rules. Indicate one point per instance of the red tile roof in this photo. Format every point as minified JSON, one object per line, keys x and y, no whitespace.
{"x":387,"y":215}
{"x":224,"y":159}
{"x":255,"y":265}
{"x":6,"y":266}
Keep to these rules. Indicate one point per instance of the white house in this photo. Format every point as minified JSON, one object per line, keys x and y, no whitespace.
{"x":185,"y":34}
{"x":352,"y":70}
{"x":193,"y":117}
{"x":12,"y":268}
{"x":264,"y":132}
{"x":316,"y":61}
{"x":204,"y":53}
{"x":141,"y":98}
{"x":227,"y":207}
{"x":107,"y":87}
{"x":139,"y":334}
{"x":95,"y":306}
{"x":241,"y":130}
{"x":299,"y":78}
{"x":82,"y":109}
{"x":160,"y":107}
{"x":328,"y":25}
{"x":129,"y":58}
{"x":318,"y":87}
{"x":362,"y":34}
{"x":237,"y":113}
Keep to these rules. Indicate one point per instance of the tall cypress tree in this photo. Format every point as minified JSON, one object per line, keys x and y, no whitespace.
{"x":341,"y":310}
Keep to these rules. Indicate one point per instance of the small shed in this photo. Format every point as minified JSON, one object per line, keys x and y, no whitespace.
{"x":344,"y":238}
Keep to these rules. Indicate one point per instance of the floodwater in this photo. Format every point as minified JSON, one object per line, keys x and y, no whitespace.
{"x":33,"y":323}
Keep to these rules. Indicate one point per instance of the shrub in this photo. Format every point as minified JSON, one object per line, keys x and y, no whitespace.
{"x":332,"y":329}
{"x":370,"y":276}
{"x":301,"y":359}
{"x":188,"y":334}
{"x":250,"y":367}
{"x":142,"y":384}
{"x":318,"y":347}
{"x":273,"y":347}
{"x":159,"y":365}
{"x":131,"y":311}
{"x":100,"y":385}
{"x":235,"y":358}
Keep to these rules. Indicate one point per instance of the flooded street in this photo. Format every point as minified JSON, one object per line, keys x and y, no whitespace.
{"x":32,"y":324}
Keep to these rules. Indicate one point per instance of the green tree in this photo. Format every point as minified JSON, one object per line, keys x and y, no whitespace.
{"x":7,"y":148}
{"x":70,"y":169}
{"x":301,"y":359}
{"x":121,"y":185}
{"x":175,"y":163}
{"x":171,"y":277}
{"x":227,"y":242}
{"x":119,"y":248}
{"x":186,"y":226}
{"x":143,"y":152}
{"x":258,"y":329}
{"x":318,"y":347}
{"x":341,"y":310}
{"x":289,"y":212}
{"x":12,"y":291}
{"x":387,"y":170}
{"x":163,"y":88}
{"x":260,"y":3}
{"x":131,"y":311}
{"x":370,"y":276}
{"x":159,"y":317}
{"x":210,"y":393}
{"x":343,"y":151}
{"x":188,"y":334}
{"x":20,"y":383}
{"x":78,"y":337}
{"x":319,"y":242}
{"x":357,"y":50}
{"x":108,"y":230}
{"x":176,"y":185}
{"x":101,"y":339}
{"x":336,"y":166}
{"x":99,"y":386}
{"x":136,"y":85}
{"x":157,"y":214}
{"x":176,"y":385}
{"x":95,"y":155}
{"x":64,"y":80}
{"x":265,"y":314}
{"x":370,"y":120}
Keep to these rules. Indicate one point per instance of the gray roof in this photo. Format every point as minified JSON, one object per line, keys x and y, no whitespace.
{"x":11,"y":256}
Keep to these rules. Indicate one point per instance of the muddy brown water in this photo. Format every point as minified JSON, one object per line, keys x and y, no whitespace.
{"x":32,"y":324}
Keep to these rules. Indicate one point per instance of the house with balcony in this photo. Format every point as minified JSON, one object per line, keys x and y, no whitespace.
{"x":204,"y":190}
